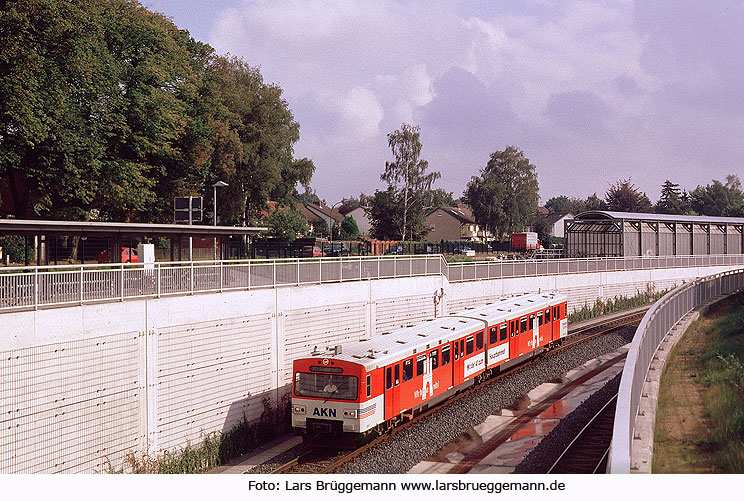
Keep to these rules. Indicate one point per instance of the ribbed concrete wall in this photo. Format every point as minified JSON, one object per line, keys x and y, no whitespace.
{"x":83,"y":386}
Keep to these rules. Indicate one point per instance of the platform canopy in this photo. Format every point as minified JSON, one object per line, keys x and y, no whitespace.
{"x":610,"y":233}
{"x":113,"y":235}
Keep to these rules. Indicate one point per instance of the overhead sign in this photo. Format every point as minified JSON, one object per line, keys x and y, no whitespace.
{"x":187,"y":209}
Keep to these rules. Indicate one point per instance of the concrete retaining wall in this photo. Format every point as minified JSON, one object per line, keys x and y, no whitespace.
{"x":85,"y":385}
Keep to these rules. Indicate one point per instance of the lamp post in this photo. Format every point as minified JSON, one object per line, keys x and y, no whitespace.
{"x":330,"y":222}
{"x":218,"y":184}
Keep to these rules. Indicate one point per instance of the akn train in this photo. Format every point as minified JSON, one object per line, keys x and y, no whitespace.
{"x":371,"y":386}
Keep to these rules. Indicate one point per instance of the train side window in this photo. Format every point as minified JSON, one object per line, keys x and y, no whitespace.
{"x":556,"y":313}
{"x":388,"y":378}
{"x":502,"y":332}
{"x":462,"y":348}
{"x":369,"y":385}
{"x":407,"y":370}
{"x":445,"y":355}
{"x":469,"y":345}
{"x":547,"y":316}
{"x":539,"y":319}
{"x":434,"y":359}
{"x":531,"y":325}
{"x":397,"y":374}
{"x":420,"y":364}
{"x":492,"y":335}
{"x":479,"y":341}
{"x":457,"y":351}
{"x":513,"y":328}
{"x":523,"y":325}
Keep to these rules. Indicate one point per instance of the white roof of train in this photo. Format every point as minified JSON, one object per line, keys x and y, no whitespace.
{"x":408,"y":341}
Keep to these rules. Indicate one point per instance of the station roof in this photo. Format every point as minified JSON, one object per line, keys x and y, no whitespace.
{"x":91,"y":228}
{"x":593,"y":215}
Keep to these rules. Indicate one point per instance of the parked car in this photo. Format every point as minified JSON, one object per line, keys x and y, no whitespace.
{"x":128,"y":255}
{"x":394,"y":249}
{"x":310,"y":251}
{"x":336,"y":249}
{"x":464,"y":250}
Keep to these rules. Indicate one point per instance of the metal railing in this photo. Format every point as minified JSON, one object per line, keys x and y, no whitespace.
{"x":657,"y":322}
{"x":35,"y":286}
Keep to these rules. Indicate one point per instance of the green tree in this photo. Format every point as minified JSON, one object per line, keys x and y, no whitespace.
{"x":384,"y":215}
{"x":504,"y":197}
{"x":623,"y":196}
{"x":407,"y":176}
{"x":593,"y":202}
{"x":565,"y":205}
{"x":348,"y":229}
{"x":672,"y":200}
{"x":719,"y":199}
{"x":286,"y":223}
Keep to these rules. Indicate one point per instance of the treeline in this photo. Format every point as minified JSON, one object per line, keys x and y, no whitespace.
{"x":714,"y":199}
{"x":108,"y":111}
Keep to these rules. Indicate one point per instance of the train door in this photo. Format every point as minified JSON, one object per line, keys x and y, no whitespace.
{"x":458,"y":367}
{"x":513,"y":339}
{"x":541,"y":331}
{"x":392,"y":390}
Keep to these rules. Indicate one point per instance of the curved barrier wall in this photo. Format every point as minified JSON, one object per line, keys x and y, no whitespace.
{"x":657,"y":322}
{"x":31,"y":287}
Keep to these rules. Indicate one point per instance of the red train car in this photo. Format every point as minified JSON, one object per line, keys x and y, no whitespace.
{"x":346,"y":396}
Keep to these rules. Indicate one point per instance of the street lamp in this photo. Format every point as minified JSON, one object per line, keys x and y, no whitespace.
{"x":331,"y":219}
{"x":218,"y":184}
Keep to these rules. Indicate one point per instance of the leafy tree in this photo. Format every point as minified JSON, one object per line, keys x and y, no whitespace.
{"x":286,"y":223}
{"x":623,"y":196}
{"x":351,"y":203}
{"x":542,"y":228}
{"x":504,"y":197}
{"x":439,"y":198}
{"x":593,"y":202}
{"x":718,"y":199}
{"x":385,"y":216}
{"x":307,"y":197}
{"x":348,"y":229}
{"x":672,"y":200}
{"x":407,"y":176}
{"x":564,"y":205}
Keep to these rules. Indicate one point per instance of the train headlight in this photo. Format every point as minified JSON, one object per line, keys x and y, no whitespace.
{"x":299,"y":409}
{"x":350,"y":413}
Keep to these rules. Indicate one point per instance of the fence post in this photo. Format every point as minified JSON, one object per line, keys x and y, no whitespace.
{"x":121,"y":281}
{"x":36,"y":288}
{"x":191,"y":278}
{"x":158,"y":271}
{"x":221,"y":276}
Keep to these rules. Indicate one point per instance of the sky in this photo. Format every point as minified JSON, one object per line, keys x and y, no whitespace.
{"x":593,"y":92}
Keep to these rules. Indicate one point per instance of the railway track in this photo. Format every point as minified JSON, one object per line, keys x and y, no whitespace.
{"x":587,"y":453}
{"x":321,"y":460}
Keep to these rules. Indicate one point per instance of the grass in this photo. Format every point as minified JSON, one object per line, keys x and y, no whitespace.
{"x":724,"y":379}
{"x":215,"y":449}
{"x":700,"y":412}
{"x":618,"y":303}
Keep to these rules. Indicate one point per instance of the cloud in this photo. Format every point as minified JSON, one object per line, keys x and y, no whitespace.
{"x":580,"y":112}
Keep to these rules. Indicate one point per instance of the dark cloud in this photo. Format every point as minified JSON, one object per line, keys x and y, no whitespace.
{"x":579,"y":111}
{"x":466,"y":113}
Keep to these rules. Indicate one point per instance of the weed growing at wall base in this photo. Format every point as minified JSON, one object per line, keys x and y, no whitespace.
{"x":618,"y":303}
{"x":215,"y":449}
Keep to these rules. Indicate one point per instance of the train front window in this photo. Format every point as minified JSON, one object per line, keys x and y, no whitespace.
{"x":332,"y":386}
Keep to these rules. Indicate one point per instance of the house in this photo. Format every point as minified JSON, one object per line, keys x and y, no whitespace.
{"x":556,"y":222}
{"x":454,"y":223}
{"x":360,"y":216}
{"x":328,"y":215}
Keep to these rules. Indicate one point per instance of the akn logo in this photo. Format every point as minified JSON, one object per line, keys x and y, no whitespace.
{"x":323,"y":412}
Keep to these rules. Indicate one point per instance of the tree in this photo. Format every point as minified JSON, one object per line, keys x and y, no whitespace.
{"x":286,"y":223}
{"x":565,"y":205}
{"x":407,"y":176}
{"x":718,"y":199}
{"x":348,"y":229}
{"x":623,"y":196}
{"x":384,"y":215}
{"x":504,"y":197}
{"x":672,"y":200}
{"x":593,"y":202}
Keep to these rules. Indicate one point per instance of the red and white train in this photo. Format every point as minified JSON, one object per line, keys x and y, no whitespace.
{"x":374,"y":385}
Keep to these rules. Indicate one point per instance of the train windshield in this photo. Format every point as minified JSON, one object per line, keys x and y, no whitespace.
{"x":331,"y":386}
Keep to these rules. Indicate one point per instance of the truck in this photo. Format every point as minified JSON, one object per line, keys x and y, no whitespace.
{"x":525,"y":241}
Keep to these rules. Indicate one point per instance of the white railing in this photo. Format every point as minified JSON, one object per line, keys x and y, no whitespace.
{"x":35,"y":286}
{"x":657,"y":322}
